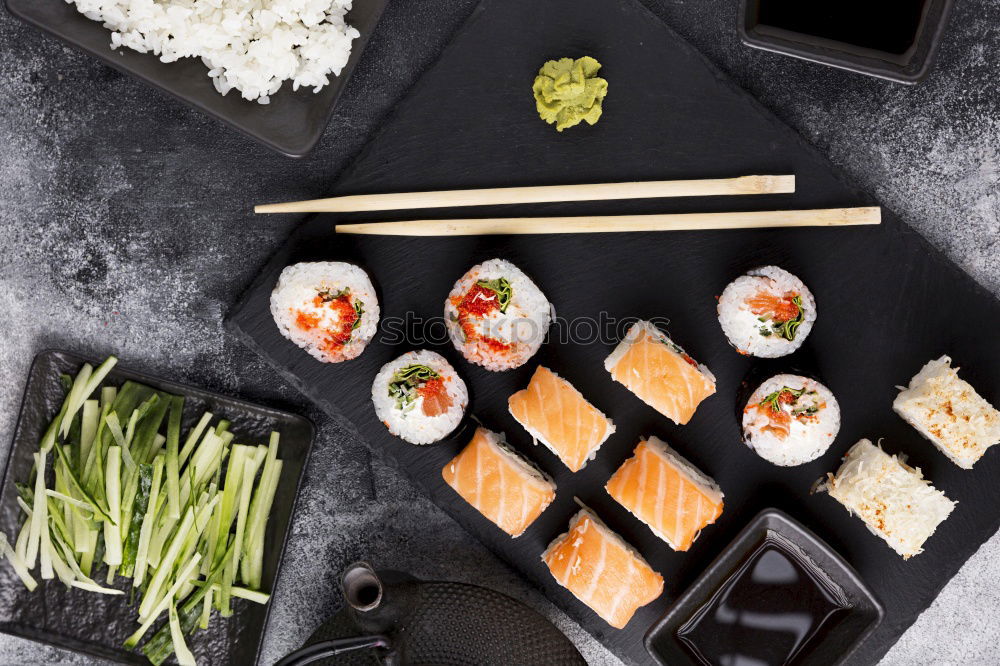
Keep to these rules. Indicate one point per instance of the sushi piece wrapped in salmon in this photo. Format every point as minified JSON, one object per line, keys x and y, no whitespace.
{"x":668,"y":493}
{"x":499,"y":483}
{"x":558,"y":416}
{"x":660,"y":373}
{"x":602,"y":570}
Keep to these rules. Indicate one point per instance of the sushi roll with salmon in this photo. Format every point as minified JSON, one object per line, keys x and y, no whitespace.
{"x":558,"y":416}
{"x":665,"y":491}
{"x":419,"y":397}
{"x":657,"y":370}
{"x":499,"y":483}
{"x":767,"y":313}
{"x":602,"y":570}
{"x":790,"y":420}
{"x":327,"y":308}
{"x":496,"y":316}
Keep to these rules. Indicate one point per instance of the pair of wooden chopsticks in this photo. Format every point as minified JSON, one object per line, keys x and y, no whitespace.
{"x":592,"y":224}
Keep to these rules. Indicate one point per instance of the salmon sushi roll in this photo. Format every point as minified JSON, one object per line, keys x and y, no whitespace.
{"x":499,"y":483}
{"x":327,"y":308}
{"x":558,"y":416}
{"x":496,"y":316}
{"x":419,"y":397}
{"x":668,"y":493}
{"x":602,"y":570}
{"x":767,"y":313}
{"x":790,"y":420}
{"x":656,"y":369}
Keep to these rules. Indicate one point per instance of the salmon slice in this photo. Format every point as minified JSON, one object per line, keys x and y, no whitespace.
{"x":602,"y":570}
{"x":558,"y":416}
{"x":658,"y":371}
{"x":665,"y":491}
{"x":499,"y":483}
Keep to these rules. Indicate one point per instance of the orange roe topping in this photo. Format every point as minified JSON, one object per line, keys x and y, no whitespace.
{"x":347,"y":317}
{"x":476,"y":304}
{"x":779,"y":308}
{"x":435,"y":395}
{"x":306,"y":321}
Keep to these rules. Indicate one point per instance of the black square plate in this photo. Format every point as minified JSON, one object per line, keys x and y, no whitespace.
{"x":96,"y":624}
{"x":835,"y":644}
{"x":291,"y":124}
{"x":908,"y":67}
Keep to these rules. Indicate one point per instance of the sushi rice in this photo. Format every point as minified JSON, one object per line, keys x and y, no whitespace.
{"x":419,"y":397}
{"x":328,"y":308}
{"x":767,"y":313}
{"x":790,"y":420}
{"x":496,"y":316}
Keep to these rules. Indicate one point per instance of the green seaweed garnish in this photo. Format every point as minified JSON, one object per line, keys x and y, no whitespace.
{"x":501,"y":287}
{"x":773,"y":400}
{"x":405,"y":382}
{"x":788,"y":329}
{"x":359,"y":308}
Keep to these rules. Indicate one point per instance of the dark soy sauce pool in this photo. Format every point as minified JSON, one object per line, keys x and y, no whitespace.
{"x":766,"y":612}
{"x":884,"y":25}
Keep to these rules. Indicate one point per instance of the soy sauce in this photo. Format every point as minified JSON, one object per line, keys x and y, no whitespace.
{"x":890,"y":26}
{"x":767,"y":612}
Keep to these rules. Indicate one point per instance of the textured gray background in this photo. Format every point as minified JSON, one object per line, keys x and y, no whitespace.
{"x":125,"y":227}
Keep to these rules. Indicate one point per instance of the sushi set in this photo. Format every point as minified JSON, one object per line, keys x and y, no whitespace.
{"x":545,"y":390}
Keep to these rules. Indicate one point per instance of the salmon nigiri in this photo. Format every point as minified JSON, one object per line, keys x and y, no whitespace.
{"x":503,"y":486}
{"x":602,"y":570}
{"x":657,"y":370}
{"x":558,"y":416}
{"x":666,"y":492}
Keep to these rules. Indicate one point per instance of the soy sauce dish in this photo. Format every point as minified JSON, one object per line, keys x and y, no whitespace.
{"x":776,"y":595}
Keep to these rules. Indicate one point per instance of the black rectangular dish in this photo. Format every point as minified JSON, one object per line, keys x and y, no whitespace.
{"x":830,"y":638}
{"x":96,"y":624}
{"x":668,"y":114}
{"x":891,"y":57}
{"x":291,"y":124}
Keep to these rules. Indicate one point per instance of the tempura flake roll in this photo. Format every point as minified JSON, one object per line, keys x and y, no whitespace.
{"x":950,"y":413}
{"x":558,"y":416}
{"x":419,"y":397}
{"x":665,"y":491}
{"x":499,"y":483}
{"x":660,"y":373}
{"x":602,"y":570}
{"x":893,"y":499}
{"x":497,"y":317}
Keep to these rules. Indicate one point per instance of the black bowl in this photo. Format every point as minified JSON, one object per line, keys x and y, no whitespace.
{"x":291,"y":124}
{"x":833,"y":645}
{"x":910,"y":66}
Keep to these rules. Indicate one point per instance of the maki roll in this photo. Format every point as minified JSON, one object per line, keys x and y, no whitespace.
{"x":327,"y":308}
{"x":496,"y":316}
{"x":419,"y":397}
{"x":790,"y":420}
{"x":767,"y":313}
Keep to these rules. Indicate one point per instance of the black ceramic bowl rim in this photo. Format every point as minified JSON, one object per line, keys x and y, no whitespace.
{"x":925,"y":48}
{"x":736,"y":552}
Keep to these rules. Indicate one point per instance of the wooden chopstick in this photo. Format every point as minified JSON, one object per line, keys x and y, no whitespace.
{"x":542,"y":194}
{"x":823,"y":217}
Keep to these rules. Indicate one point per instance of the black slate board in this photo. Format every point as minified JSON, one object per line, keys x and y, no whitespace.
{"x":888,"y":301}
{"x":96,"y":624}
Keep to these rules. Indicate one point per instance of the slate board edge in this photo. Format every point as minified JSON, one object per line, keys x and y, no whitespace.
{"x":941,"y":259}
{"x":54,"y":355}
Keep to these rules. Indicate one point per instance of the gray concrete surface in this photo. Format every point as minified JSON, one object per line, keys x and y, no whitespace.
{"x":124,"y":227}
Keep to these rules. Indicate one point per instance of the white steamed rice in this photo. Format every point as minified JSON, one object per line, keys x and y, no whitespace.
{"x":310,"y":323}
{"x":253,"y":46}
{"x":408,"y":420}
{"x":500,"y":340}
